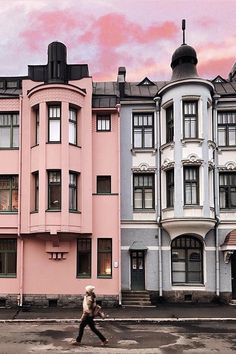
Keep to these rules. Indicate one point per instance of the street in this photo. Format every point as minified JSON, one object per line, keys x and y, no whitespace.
{"x":197,"y":337}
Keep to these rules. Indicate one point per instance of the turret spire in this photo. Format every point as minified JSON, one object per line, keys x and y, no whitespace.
{"x":183,"y":29}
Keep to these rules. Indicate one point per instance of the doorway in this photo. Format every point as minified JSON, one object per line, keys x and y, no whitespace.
{"x":137,"y":271}
{"x":233,"y":273}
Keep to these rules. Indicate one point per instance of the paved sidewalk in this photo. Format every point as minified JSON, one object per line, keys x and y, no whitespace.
{"x":161,"y":313}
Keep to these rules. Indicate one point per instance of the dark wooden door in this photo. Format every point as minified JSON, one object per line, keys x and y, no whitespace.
{"x":233,"y":272}
{"x":137,"y":270}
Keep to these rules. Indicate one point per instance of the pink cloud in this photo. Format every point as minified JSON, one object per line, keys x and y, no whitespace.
{"x":212,"y":68}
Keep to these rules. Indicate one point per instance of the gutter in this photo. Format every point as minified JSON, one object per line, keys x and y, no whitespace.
{"x":160,"y":277}
{"x":21,"y":270}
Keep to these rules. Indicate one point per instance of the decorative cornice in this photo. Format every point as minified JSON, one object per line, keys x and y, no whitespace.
{"x":144,"y":167}
{"x":167,"y":164}
{"x":192,"y":159}
{"x":229,"y":166}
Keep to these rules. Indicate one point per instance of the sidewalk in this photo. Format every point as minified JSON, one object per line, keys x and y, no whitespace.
{"x":162,"y":313}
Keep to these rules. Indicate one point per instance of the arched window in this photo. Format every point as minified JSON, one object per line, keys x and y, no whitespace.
{"x":186,"y":260}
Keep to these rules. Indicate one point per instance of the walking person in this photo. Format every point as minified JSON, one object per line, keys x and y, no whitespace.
{"x":90,"y":309}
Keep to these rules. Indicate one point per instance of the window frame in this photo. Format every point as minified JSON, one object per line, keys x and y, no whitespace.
{"x":6,"y":252}
{"x":227,"y":188}
{"x":170,"y":124}
{"x":226,"y":126}
{"x":11,"y":126}
{"x":189,"y":115}
{"x":51,"y":119}
{"x":101,"y":251}
{"x":142,"y":128}
{"x":51,"y":184}
{"x":37,"y":123}
{"x":102,"y":178}
{"x":11,"y":189}
{"x":36,"y":191}
{"x":87,"y":252}
{"x":143,"y":188}
{"x":184,"y":239}
{"x":74,"y":188}
{"x":74,"y":124}
{"x":191,"y":182}
{"x":170,"y":188}
{"x":103,"y":118}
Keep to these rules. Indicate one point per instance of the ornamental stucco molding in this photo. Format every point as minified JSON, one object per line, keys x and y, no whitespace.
{"x":144,"y":167}
{"x":167,"y":164}
{"x":229,"y":166}
{"x":192,"y":159}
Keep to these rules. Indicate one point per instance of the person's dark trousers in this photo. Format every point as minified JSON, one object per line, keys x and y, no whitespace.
{"x":89,"y":321}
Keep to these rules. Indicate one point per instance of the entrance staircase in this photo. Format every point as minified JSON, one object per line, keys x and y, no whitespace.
{"x":136,"y":298}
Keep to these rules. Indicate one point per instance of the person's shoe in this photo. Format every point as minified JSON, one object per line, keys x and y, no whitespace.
{"x":105,"y":342}
{"x":74,"y":342}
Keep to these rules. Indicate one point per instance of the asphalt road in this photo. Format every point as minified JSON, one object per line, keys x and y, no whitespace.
{"x":189,"y":338}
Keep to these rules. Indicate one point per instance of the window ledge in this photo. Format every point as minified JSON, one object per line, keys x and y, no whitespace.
{"x":193,"y":206}
{"x":8,"y":212}
{"x":227,"y":148}
{"x":105,"y":194}
{"x":53,"y":210}
{"x":192,"y":140}
{"x":9,"y":148}
{"x":74,"y":211}
{"x":104,"y":277}
{"x":171,"y":144}
{"x":75,"y":145}
{"x":33,"y":146}
{"x":168,"y":209}
{"x":83,"y":276}
{"x":53,"y":142}
{"x":7,"y":276}
{"x":153,"y":211}
{"x":134,"y":151}
{"x":233,"y":210}
{"x":34,"y":212}
{"x":188,"y":285}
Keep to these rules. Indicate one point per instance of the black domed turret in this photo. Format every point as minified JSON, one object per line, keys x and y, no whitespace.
{"x":57,"y":62}
{"x":184,"y":61}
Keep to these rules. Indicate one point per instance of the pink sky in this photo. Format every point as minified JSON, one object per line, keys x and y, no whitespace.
{"x":138,"y":34}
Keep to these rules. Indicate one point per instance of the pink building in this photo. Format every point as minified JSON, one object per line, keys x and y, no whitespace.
{"x":59,"y":185}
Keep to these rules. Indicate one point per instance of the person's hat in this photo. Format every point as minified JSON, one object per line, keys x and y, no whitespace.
{"x":89,"y":288}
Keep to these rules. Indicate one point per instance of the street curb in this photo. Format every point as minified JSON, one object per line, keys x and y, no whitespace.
{"x":125,"y":320}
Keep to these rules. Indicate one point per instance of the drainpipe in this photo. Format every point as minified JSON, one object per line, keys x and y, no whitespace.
{"x":21,"y":270}
{"x":216,"y":192}
{"x":157,"y":102}
{"x":119,"y":207}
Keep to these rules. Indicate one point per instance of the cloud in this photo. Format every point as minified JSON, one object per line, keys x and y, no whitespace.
{"x":219,"y":66}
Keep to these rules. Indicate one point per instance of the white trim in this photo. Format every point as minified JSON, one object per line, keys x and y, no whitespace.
{"x":187,"y":287}
{"x":139,"y":226}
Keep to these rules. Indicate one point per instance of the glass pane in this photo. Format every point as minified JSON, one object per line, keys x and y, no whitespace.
{"x":178,"y":266}
{"x":72,"y":199}
{"x":15,"y":137}
{"x":54,"y":130}
{"x":5,"y":200}
{"x":11,"y":262}
{"x":5,"y":137}
{"x":72,"y":133}
{"x":103,"y":184}
{"x":55,"y":197}
{"x":54,"y":177}
{"x":178,"y":254}
{"x":194,"y":277}
{"x":187,"y":128}
{"x":2,"y":263}
{"x":135,"y":120}
{"x":15,"y":200}
{"x":233,"y":197}
{"x":188,"y":193}
{"x":72,"y":115}
{"x":148,"y":198}
{"x":222,"y":136}
{"x":138,"y":198}
{"x":84,"y":263}
{"x":178,"y":277}
{"x":148,"y":138}
{"x":222,"y":198}
{"x":232,"y":135}
{"x":137,"y":138}
{"x":104,"y":264}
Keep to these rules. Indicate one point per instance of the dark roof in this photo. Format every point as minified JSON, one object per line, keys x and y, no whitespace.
{"x":225,"y":88}
{"x":10,"y":93}
{"x":133,"y":89}
{"x":105,"y":94}
{"x":184,"y":51}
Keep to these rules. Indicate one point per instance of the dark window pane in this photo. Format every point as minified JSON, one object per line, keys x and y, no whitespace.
{"x":84,"y":258}
{"x":105,"y":257}
{"x":103,"y":184}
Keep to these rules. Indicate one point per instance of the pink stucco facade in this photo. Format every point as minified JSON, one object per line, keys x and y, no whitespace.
{"x":47,"y":250}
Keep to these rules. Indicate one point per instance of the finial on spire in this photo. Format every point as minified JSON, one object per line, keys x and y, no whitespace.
{"x":183,"y":29}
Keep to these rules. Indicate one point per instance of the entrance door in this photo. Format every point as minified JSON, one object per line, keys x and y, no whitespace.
{"x":233,"y":272}
{"x":137,"y":270}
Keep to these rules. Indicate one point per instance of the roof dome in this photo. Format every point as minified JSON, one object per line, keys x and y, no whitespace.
{"x":183,"y":63}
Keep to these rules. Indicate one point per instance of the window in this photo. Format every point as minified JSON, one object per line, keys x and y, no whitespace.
{"x":186,"y":259}
{"x":143,"y":185}
{"x":54,"y":124}
{"x":54,"y":190}
{"x":170,"y":188}
{"x":72,"y":126}
{"x":104,"y":257}
{"x":227,"y":128}
{"x":72,"y":191}
{"x":36,"y":191}
{"x":143,"y":130}
{"x":169,"y":124}
{"x":9,"y":130}
{"x":227,"y":190}
{"x":190,"y":119}
{"x":8,"y":193}
{"x":103,"y":184}
{"x":12,"y":84}
{"x":191,"y":185}
{"x":84,"y":258}
{"x":103,"y":123}
{"x":37,"y":127}
{"x":7,"y":257}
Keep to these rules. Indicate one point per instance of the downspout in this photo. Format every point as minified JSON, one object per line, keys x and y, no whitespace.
{"x":119,"y":207}
{"x":216,"y":192}
{"x":160,"y":273}
{"x":21,"y":270}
